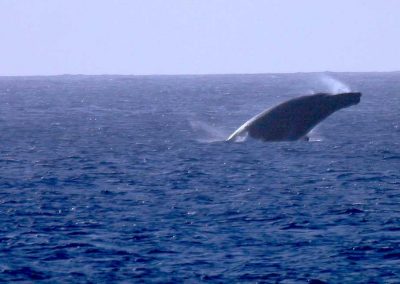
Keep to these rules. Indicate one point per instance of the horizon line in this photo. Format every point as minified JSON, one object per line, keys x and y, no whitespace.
{"x":196,"y":74}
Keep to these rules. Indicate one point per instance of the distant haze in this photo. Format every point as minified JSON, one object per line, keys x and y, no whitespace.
{"x":48,"y":37}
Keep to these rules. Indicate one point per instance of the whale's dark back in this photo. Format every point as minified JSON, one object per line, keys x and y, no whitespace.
{"x":346,"y":99}
{"x":292,"y":120}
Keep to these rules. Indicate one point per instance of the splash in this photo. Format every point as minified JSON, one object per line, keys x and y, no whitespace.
{"x":207,"y":133}
{"x":333,"y":85}
{"x":314,"y":135}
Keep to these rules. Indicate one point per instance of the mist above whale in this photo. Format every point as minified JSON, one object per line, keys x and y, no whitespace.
{"x":294,"y":119}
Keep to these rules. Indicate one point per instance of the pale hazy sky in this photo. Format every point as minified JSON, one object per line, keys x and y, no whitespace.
{"x":47,"y":37}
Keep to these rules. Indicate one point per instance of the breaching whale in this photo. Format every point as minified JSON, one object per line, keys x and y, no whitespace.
{"x":292,"y":120}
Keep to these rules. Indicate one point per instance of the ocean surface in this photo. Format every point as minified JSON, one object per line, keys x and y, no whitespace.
{"x":127,"y":179}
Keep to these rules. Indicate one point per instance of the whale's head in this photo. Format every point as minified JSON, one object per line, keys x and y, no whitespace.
{"x":346,"y":99}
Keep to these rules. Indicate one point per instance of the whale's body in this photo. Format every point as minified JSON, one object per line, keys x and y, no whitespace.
{"x":293,"y":119}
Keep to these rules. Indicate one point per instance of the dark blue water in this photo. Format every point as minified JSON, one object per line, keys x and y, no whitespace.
{"x":127,"y":179}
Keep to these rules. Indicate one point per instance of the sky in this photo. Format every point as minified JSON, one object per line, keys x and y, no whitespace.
{"x":51,"y":37}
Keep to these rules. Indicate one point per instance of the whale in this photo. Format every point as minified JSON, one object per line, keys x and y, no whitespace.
{"x":294,"y":119}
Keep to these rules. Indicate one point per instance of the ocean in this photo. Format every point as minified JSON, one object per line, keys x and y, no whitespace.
{"x":127,"y":179}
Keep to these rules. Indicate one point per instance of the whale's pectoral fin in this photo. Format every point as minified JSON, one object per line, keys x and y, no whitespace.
{"x":242,"y":132}
{"x":239,"y":135}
